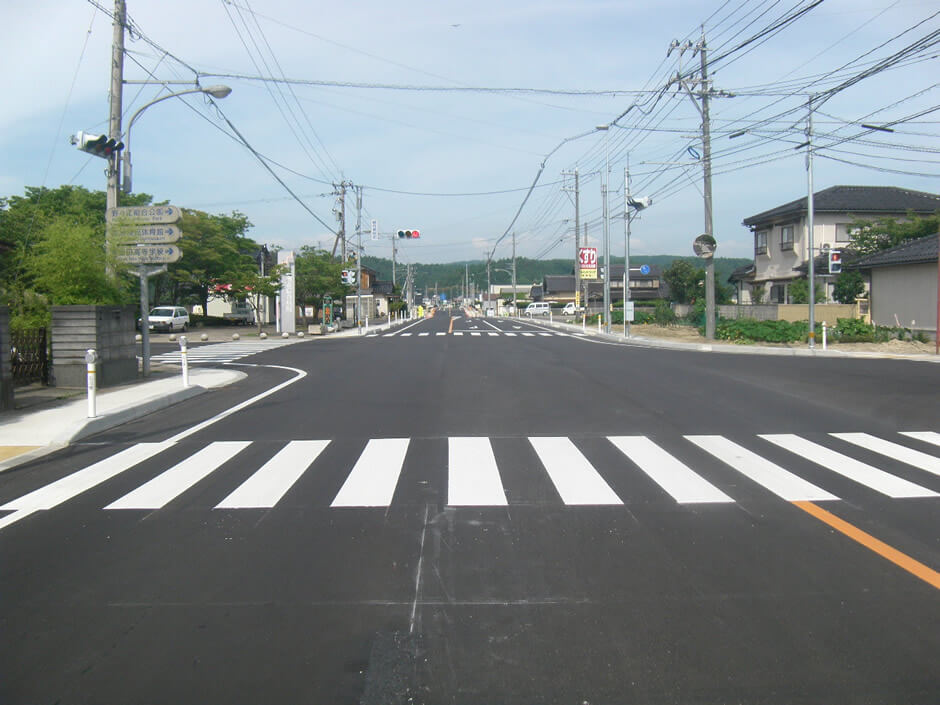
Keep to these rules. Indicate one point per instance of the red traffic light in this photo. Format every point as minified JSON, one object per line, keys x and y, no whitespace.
{"x":410,"y":234}
{"x":415,"y":234}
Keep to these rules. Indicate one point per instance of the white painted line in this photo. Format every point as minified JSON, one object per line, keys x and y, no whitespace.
{"x":273,"y":479}
{"x":405,"y":335}
{"x":441,"y":333}
{"x":676,"y":478}
{"x":782,"y":483}
{"x":421,"y":335}
{"x":472,"y":476}
{"x":529,"y":335}
{"x":494,"y":334}
{"x":170,"y":484}
{"x":892,"y":450}
{"x":860,"y":472}
{"x":475,"y":333}
{"x":373,"y":479}
{"x":72,"y":485}
{"x":458,"y":332}
{"x":546,"y":334}
{"x":410,"y":325}
{"x":573,"y":476}
{"x":511,"y":334}
{"x":925,"y":436}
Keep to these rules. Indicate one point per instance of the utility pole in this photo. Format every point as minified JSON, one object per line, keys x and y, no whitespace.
{"x":117,"y":89}
{"x":513,"y":272}
{"x":489,"y":258}
{"x":577,"y":243}
{"x":359,"y":258}
{"x":626,"y":246}
{"x":394,"y":251}
{"x":339,"y":190}
{"x":704,"y":92}
{"x":810,"y":225}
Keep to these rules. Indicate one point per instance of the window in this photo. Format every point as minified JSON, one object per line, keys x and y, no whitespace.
{"x":786,"y":237}
{"x":778,"y":294}
{"x":760,"y":242}
{"x":844,"y":232}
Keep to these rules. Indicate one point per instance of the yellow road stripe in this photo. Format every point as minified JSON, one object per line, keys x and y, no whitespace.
{"x":451,"y":329}
{"x":916,"y":568}
{"x":7,"y":452}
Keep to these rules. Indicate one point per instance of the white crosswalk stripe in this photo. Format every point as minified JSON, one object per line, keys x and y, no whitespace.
{"x":474,"y":478}
{"x":225,"y":352}
{"x":485,"y":333}
{"x":892,"y":450}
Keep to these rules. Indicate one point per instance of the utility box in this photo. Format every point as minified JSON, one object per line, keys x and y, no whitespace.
{"x":109,"y":330}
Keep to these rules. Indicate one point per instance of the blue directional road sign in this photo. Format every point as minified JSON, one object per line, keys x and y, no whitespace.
{"x":645,"y":269}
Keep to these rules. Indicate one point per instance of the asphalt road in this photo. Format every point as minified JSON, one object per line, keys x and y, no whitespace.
{"x":477,"y":511}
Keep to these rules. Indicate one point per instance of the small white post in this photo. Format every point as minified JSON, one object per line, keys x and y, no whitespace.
{"x":184,"y":358}
{"x":91,"y":359}
{"x":550,"y":316}
{"x":824,"y":334}
{"x":584,"y":322}
{"x":367,"y":325}
{"x":599,"y":323}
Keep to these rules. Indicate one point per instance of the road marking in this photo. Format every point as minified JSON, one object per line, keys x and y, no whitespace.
{"x":546,"y":334}
{"x":170,"y":484}
{"x":73,"y":485}
{"x":782,"y":483}
{"x":496,"y":334}
{"x":892,"y":450}
{"x":273,"y":479}
{"x":508,"y":333}
{"x":528,"y":335}
{"x":925,"y":436}
{"x":475,"y":333}
{"x":450,"y":328}
{"x":459,"y":332}
{"x":860,"y":472}
{"x":914,"y":567}
{"x":404,"y":335}
{"x":421,"y":335}
{"x":676,"y":478}
{"x":472,"y":476}
{"x":573,"y":476}
{"x":400,"y":332}
{"x":375,"y":475}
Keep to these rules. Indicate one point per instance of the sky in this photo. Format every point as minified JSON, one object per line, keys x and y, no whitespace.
{"x":410,"y":101}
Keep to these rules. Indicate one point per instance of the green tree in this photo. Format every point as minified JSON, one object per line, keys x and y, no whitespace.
{"x":799,"y":292}
{"x":849,"y":286}
{"x":215,"y":250}
{"x":317,"y":274}
{"x":869,"y":236}
{"x":685,"y":281}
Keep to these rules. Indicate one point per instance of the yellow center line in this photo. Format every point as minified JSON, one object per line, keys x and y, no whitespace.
{"x":916,"y":568}
{"x":451,"y":329}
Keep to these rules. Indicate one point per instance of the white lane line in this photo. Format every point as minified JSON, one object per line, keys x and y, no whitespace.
{"x":860,"y":472}
{"x":925,"y":436}
{"x":72,"y":485}
{"x":491,"y":325}
{"x":374,"y":478}
{"x":528,"y":335}
{"x":510,"y":334}
{"x":401,"y":330}
{"x":572,"y":474}
{"x":475,"y":333}
{"x":546,"y":334}
{"x":405,"y":335}
{"x":421,"y":335}
{"x":458,"y":332}
{"x":892,"y":450}
{"x":472,"y":476}
{"x":441,"y":333}
{"x":677,"y":479}
{"x":493,"y":334}
{"x":782,"y":483}
{"x":170,"y":484}
{"x":273,"y":479}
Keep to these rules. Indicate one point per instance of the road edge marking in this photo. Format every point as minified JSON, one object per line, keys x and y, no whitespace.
{"x":902,"y":560}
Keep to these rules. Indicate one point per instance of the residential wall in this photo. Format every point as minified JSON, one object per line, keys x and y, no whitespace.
{"x":830,"y":313}
{"x":908,"y":292}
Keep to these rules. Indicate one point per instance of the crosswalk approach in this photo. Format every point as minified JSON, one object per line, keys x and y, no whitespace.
{"x":224,"y":352}
{"x":474,"y":477}
{"x":483,"y":333}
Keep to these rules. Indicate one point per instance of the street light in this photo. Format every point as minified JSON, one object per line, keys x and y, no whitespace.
{"x":606,"y":128}
{"x":214,"y":91}
{"x":143,"y":273}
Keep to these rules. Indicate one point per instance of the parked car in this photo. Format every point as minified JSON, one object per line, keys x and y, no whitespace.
{"x":538,"y":308}
{"x":168,"y":319}
{"x":570,"y":309}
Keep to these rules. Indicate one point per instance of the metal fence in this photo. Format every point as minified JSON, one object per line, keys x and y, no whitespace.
{"x":29,"y":356}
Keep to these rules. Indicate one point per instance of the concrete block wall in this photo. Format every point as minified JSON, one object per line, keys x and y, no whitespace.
{"x":108,"y":329}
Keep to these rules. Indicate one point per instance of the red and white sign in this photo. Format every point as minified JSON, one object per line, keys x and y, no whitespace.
{"x":587,"y":257}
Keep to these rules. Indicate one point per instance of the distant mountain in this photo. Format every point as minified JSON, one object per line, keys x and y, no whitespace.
{"x":450,"y":277}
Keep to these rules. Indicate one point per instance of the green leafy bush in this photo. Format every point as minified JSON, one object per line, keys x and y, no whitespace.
{"x":750,"y":330}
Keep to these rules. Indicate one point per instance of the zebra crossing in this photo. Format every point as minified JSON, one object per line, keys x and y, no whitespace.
{"x":475,"y":478}
{"x":224,"y":352}
{"x":483,"y":333}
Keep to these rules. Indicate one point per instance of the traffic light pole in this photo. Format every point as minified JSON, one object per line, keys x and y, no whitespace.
{"x":359,"y":258}
{"x":810,"y":216}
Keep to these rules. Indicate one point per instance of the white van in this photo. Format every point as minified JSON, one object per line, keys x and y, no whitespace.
{"x":538,"y":308}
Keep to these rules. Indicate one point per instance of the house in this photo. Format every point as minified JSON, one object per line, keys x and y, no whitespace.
{"x":781,"y":242}
{"x":643,"y":286}
{"x":374,"y":296}
{"x":903,"y":284}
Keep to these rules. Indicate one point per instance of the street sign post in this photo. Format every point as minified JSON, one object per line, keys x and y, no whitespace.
{"x":375,"y":229}
{"x":587,"y":257}
{"x":155,"y":234}
{"x":144,"y":214}
{"x":150,"y":254}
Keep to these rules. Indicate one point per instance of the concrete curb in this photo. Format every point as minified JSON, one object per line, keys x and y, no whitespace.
{"x":732,"y":349}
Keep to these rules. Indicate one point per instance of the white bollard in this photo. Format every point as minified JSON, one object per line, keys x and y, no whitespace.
{"x":584,"y":322}
{"x":235,"y":336}
{"x":824,"y":334}
{"x":204,"y":336}
{"x":285,"y":334}
{"x":91,"y":359}
{"x":263,"y":336}
{"x":184,"y":359}
{"x":367,"y":324}
{"x":300,"y":334}
{"x":599,"y":324}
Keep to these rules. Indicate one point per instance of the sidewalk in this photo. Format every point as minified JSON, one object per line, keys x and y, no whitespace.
{"x":34,"y":431}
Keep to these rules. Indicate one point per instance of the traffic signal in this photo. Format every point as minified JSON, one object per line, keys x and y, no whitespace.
{"x":349,"y":276}
{"x":835,"y":261}
{"x":410,"y":234}
{"x":98,"y":145}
